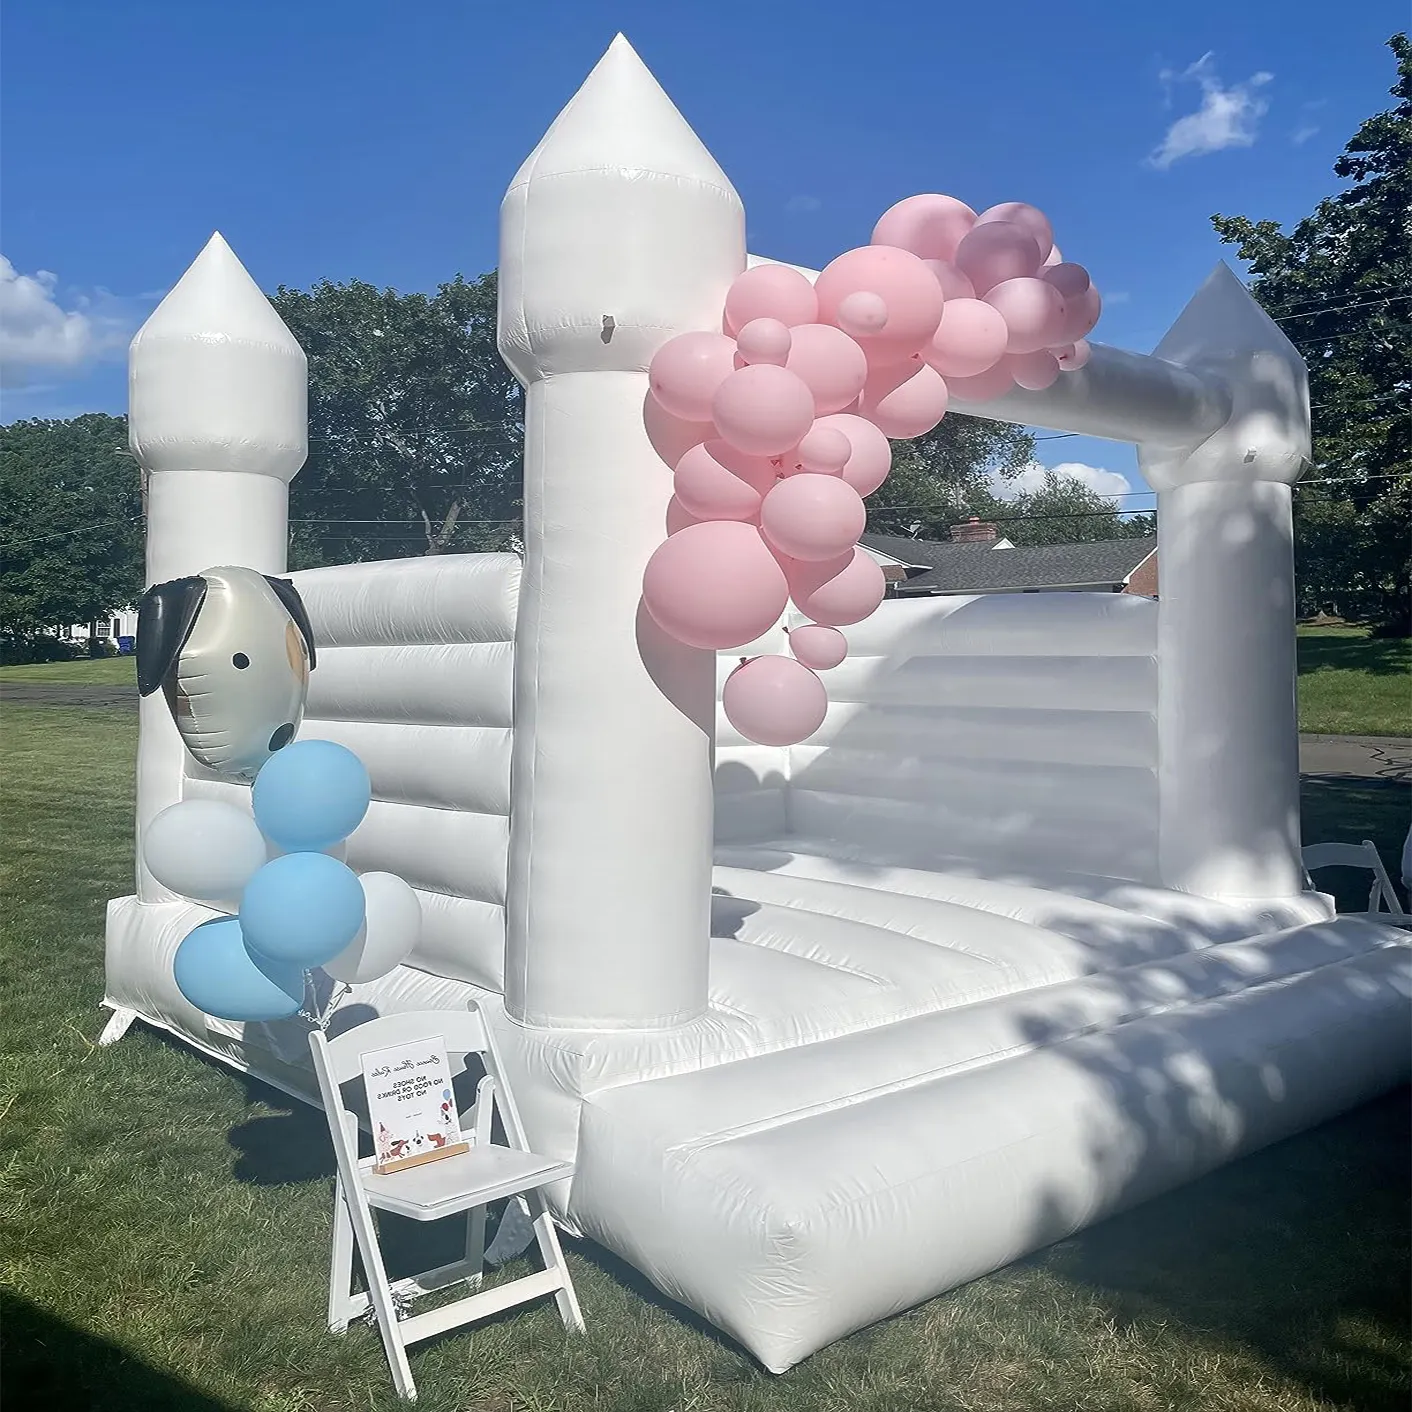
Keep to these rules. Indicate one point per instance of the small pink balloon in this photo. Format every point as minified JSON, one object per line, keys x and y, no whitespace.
{"x":832,"y":365}
{"x":861,"y":313}
{"x":774,"y":701}
{"x":1070,"y":280}
{"x":817,"y":647}
{"x":839,"y":591}
{"x":906,"y":287}
{"x":1080,"y":316}
{"x":1029,"y":218}
{"x":823,"y":451}
{"x":871,"y":457}
{"x":672,"y":437}
{"x":1074,"y":355}
{"x":995,"y":252}
{"x":904,"y":401}
{"x":714,"y":585}
{"x":686,"y":371}
{"x":1034,"y":371}
{"x":716,"y":482}
{"x":970,"y":338}
{"x":770,"y":292}
{"x":1033,"y":312}
{"x":954,"y":285}
{"x":812,"y":517}
{"x":930,"y":225}
{"x":763,"y":410}
{"x":984,"y":387}
{"x":763,"y":341}
{"x":679,"y":517}
{"x":1055,"y":257}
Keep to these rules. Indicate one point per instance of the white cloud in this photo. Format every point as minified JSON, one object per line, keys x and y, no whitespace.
{"x":1102,"y":481}
{"x":1227,"y":117}
{"x":1302,"y":134}
{"x":1118,"y":296}
{"x":802,"y":205}
{"x":39,"y":336}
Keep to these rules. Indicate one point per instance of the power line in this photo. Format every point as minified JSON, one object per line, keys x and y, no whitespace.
{"x":64,"y":534}
{"x":1339,"y":308}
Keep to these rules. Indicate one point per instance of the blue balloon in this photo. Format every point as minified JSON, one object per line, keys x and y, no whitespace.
{"x":311,"y":795}
{"x":219,"y":974}
{"x":302,"y":908}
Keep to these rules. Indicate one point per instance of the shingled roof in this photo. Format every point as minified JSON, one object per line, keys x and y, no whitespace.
{"x":983,"y":568}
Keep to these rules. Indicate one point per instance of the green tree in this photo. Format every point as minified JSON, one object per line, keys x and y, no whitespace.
{"x":1063,"y":510}
{"x":415,"y":427}
{"x":1340,"y":284}
{"x":71,"y":543}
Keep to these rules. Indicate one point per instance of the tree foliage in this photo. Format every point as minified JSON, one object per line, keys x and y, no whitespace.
{"x":1339,"y":284}
{"x":71,"y":544}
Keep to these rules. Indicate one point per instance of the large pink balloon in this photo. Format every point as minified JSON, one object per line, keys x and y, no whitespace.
{"x":672,"y":437}
{"x":930,"y":226}
{"x":1029,"y":218}
{"x":770,"y":292}
{"x":717,"y":482}
{"x":686,"y":371}
{"x":1033,"y":312}
{"x":871,"y":457}
{"x":763,"y":341}
{"x":838,"y":591}
{"x":715,"y":585}
{"x":832,"y":365}
{"x":954,"y":285}
{"x":904,"y":401}
{"x":996,"y":252}
{"x":1034,"y":371}
{"x":817,"y":647}
{"x":1069,"y":280}
{"x":984,"y":387}
{"x":823,"y":450}
{"x":970,"y":338}
{"x":763,"y":410}
{"x":774,"y":701}
{"x":1080,"y":315}
{"x":1073,"y":356}
{"x":905,"y":285}
{"x":812,"y":517}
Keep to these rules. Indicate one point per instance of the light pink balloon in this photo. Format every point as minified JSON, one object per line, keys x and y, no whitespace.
{"x":823,"y":451}
{"x":996,"y":252}
{"x":1029,"y":218}
{"x":1034,"y":371}
{"x":763,"y":341}
{"x":812,"y":517}
{"x":770,"y":292}
{"x":832,"y":365}
{"x":984,"y":387}
{"x":871,"y":457}
{"x":930,"y":226}
{"x":714,"y":585}
{"x":1033,"y":312}
{"x":905,"y":285}
{"x":763,"y":410}
{"x":904,"y":401}
{"x":1069,"y":280}
{"x":954,"y":285}
{"x":1074,"y":355}
{"x":686,"y":371}
{"x":861,"y":313}
{"x":970,"y":338}
{"x":679,"y":517}
{"x":817,"y":647}
{"x":717,"y":482}
{"x":672,"y":437}
{"x":774,"y":701}
{"x":1080,"y":315}
{"x":838,"y":591}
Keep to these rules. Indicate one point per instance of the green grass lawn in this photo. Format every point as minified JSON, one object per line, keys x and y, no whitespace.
{"x":165,"y":1223}
{"x":92,"y":671}
{"x":1353,"y":684}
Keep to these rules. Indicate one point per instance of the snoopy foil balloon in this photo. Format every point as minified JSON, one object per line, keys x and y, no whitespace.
{"x":231,"y":649}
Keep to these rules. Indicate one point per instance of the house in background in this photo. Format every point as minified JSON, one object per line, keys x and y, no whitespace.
{"x":977,"y":559}
{"x":122,"y":624}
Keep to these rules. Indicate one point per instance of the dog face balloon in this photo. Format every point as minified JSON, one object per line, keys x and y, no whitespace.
{"x":231,"y":650}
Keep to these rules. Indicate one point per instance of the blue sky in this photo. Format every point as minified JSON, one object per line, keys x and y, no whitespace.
{"x":373,"y":140}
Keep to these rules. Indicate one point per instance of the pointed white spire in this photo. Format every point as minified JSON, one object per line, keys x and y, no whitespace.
{"x":216,"y":382}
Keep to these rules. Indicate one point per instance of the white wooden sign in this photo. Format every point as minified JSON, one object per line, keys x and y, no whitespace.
{"x":411,"y":1104}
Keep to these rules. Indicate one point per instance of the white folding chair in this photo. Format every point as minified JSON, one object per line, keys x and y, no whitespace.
{"x":1383,"y":903}
{"x":466,"y":1182}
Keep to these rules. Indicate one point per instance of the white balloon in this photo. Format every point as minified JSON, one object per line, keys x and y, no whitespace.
{"x":391,"y":928}
{"x":204,"y":849}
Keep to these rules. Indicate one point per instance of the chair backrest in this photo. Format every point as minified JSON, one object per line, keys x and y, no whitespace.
{"x":1382,"y":896}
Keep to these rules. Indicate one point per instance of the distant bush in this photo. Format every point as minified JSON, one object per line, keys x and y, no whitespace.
{"x":20,"y":649}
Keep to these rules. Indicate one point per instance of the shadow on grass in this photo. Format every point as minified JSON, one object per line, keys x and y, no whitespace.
{"x":1343,"y":651}
{"x":53,"y":1364}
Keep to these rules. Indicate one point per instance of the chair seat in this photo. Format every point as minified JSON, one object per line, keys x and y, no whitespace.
{"x":486,"y":1173}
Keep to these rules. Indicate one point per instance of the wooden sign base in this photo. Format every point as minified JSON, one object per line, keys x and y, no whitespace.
{"x":435,"y":1155}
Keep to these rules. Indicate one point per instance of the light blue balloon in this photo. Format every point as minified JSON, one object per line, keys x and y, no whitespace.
{"x":219,"y":975}
{"x":311,"y":795}
{"x":302,"y":908}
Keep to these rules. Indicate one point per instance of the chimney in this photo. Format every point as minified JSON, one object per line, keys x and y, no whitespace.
{"x":974,"y":532}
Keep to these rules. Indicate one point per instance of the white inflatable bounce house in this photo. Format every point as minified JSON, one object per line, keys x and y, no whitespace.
{"x":1018,"y":937}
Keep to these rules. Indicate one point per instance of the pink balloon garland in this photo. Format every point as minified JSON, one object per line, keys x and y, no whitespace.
{"x":777,"y":426}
